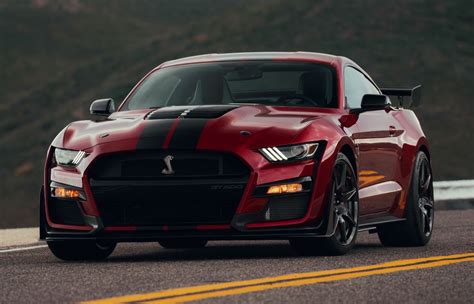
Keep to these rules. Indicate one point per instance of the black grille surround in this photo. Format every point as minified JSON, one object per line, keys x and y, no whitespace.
{"x":131,"y":188}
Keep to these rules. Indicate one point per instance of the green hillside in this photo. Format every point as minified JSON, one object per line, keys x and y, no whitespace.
{"x":57,"y":56}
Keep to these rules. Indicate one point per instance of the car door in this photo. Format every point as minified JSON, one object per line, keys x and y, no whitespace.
{"x":375,"y":137}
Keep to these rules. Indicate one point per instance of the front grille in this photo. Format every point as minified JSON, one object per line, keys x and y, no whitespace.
{"x":66,"y":212}
{"x":150,"y":164}
{"x":130,"y":188}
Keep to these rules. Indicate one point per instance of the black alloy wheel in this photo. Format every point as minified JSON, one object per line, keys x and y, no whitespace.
{"x":425,"y":197}
{"x":344,"y":201}
{"x":417,"y":228}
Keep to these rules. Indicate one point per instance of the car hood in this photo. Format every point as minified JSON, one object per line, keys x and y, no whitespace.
{"x":202,"y":127}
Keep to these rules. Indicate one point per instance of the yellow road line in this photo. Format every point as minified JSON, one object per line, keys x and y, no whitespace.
{"x":194,"y":293}
{"x":213,"y":294}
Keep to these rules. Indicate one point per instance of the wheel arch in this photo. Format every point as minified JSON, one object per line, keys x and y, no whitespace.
{"x":345,"y":146}
{"x":424,"y":148}
{"x":349,"y":153}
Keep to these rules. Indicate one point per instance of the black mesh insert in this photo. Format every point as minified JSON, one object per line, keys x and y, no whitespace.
{"x":66,"y":212}
{"x":288,"y":207}
{"x":167,"y":205}
{"x":130,"y":188}
{"x":150,"y":164}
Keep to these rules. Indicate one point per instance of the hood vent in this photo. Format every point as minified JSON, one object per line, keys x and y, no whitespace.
{"x":165,"y":113}
{"x":207,"y":112}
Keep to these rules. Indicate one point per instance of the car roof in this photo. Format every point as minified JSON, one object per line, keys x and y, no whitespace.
{"x":303,"y":56}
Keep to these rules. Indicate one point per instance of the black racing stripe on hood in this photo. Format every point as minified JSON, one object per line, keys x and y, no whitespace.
{"x":154,"y":134}
{"x":187,"y":133}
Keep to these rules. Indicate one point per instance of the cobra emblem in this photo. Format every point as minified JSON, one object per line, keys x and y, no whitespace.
{"x":169,"y":169}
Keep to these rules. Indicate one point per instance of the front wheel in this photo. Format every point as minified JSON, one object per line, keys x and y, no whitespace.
{"x":344,"y":200}
{"x":81,"y":250}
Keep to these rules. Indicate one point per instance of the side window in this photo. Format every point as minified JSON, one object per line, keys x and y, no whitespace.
{"x":356,"y":85}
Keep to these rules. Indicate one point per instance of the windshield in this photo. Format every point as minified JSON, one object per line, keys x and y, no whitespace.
{"x":273,"y":83}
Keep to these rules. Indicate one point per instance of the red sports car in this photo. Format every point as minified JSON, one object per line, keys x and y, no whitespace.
{"x":297,"y":146}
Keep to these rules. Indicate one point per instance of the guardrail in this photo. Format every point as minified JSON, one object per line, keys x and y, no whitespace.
{"x":454,"y":190}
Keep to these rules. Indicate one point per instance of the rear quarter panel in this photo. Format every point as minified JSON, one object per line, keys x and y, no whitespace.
{"x":411,"y":141}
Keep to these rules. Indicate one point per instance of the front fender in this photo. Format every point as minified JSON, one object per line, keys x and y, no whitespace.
{"x":336,"y":140}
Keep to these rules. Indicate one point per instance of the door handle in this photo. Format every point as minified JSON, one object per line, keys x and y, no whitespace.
{"x":392,"y":130}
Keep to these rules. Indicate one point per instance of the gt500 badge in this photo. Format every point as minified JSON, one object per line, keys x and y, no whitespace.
{"x":227,"y":187}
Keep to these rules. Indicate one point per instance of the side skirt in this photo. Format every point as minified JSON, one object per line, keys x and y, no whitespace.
{"x":373,"y":223}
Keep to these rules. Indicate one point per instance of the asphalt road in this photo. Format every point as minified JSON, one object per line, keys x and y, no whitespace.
{"x":35,"y":276}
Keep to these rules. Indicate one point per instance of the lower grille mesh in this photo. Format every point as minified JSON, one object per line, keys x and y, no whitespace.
{"x":66,"y":212}
{"x":130,"y":189}
{"x":167,"y":205}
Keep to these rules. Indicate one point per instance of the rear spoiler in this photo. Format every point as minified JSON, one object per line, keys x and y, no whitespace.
{"x":414,"y":93}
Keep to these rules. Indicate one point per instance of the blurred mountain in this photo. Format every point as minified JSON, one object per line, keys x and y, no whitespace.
{"x":56,"y":56}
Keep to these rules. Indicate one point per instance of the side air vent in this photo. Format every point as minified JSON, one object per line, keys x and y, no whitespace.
{"x":211,"y":111}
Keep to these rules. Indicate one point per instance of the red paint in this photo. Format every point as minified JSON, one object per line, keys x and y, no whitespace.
{"x":389,"y":153}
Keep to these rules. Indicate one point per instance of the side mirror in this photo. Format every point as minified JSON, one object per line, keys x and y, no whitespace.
{"x":102,"y":107}
{"x":374,"y":102}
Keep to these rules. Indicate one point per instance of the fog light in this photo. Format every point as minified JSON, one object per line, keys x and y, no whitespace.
{"x":66,"y":193}
{"x":286,"y":188}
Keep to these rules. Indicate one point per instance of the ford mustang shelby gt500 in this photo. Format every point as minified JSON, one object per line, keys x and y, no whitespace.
{"x":297,"y":146}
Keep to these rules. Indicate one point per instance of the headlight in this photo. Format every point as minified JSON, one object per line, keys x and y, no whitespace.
{"x":289,"y":153}
{"x":68,"y":157}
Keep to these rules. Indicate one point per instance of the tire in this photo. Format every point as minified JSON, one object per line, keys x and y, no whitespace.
{"x":42,"y":216}
{"x":182,"y":243}
{"x":344,"y":197}
{"x":417,"y":229}
{"x":81,"y":250}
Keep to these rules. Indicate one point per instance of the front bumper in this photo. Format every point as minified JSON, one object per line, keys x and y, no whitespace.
{"x":252,"y":218}
{"x":150,"y":234}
